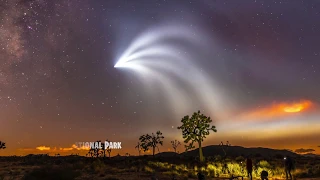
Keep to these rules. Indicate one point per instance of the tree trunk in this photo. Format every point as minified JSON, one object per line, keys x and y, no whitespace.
{"x":153,"y":149}
{"x":200,"y":152}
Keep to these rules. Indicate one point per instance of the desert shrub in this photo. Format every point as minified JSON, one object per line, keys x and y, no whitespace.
{"x":217,"y":158}
{"x":171,"y":173}
{"x":240,"y":158}
{"x":192,"y":175}
{"x":79,"y":165}
{"x":264,"y":164}
{"x":317,"y":172}
{"x":148,"y":169}
{"x":181,"y":168}
{"x":213,"y":170}
{"x":210,"y":158}
{"x":51,"y":174}
{"x":98,"y":166}
{"x":236,"y":169}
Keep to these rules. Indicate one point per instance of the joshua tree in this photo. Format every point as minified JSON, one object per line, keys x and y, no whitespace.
{"x":2,"y":145}
{"x":195,"y":129}
{"x":105,"y":149}
{"x":91,"y":152}
{"x":138,"y":147}
{"x":151,"y":141}
{"x":109,"y":151}
{"x":95,"y":152}
{"x":175,"y":145}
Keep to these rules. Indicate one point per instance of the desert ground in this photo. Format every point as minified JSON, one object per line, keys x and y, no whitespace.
{"x":36,"y":167}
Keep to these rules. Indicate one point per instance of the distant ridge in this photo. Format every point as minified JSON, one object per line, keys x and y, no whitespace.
{"x":235,"y":151}
{"x":311,"y":155}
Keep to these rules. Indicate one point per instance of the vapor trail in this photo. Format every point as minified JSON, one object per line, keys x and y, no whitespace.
{"x":168,"y":52}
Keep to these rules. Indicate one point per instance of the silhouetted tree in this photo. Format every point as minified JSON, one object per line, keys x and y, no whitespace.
{"x":2,"y":145}
{"x":175,"y":145}
{"x":195,"y":129}
{"x":105,"y":149}
{"x":91,"y":152}
{"x":109,"y":151}
{"x":95,"y":152}
{"x":138,"y":147}
{"x":151,"y":141}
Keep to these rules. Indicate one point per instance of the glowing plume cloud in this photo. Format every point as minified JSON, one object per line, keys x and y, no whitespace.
{"x":167,"y":52}
{"x":297,"y":107}
{"x":277,"y":110}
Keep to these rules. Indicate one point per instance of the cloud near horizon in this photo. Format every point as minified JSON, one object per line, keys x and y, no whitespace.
{"x":302,"y":150}
{"x":73,"y":147}
{"x":279,"y":109}
{"x":54,"y":149}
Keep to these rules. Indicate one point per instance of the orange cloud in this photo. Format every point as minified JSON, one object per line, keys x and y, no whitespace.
{"x":46,"y":148}
{"x":297,"y":107}
{"x":279,"y":109}
{"x":73,"y":149}
{"x":80,"y":148}
{"x":43,"y":148}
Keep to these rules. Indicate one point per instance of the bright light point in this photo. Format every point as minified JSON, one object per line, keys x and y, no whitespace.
{"x":120,"y":64}
{"x":125,"y":64}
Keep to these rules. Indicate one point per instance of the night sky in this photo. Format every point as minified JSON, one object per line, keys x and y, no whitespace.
{"x":58,"y":83}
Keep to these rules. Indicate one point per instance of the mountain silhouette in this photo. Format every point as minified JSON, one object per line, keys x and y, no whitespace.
{"x":235,"y":151}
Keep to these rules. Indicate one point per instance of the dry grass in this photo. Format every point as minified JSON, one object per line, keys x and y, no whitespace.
{"x":68,"y":168}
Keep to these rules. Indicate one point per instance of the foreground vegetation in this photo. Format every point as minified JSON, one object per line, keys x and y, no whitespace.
{"x":194,"y":129}
{"x":144,"y":167}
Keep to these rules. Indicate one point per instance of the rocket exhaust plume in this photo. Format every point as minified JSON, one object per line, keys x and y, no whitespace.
{"x":164,"y":53}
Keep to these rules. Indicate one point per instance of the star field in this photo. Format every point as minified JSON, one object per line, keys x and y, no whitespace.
{"x":58,"y":84}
